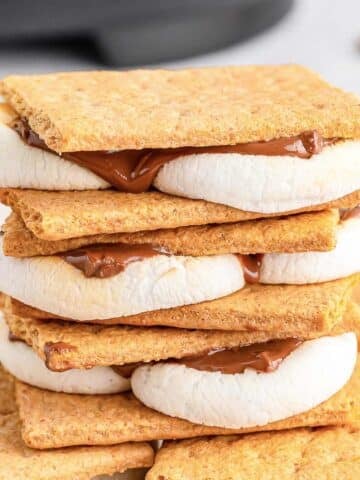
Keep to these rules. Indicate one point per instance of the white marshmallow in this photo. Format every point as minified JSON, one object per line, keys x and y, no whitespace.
{"x":24,"y":364}
{"x":166,"y":281}
{"x":52,"y":285}
{"x":314,"y":267}
{"x":259,"y":183}
{"x":311,"y":374}
{"x":23,"y":166}
{"x":265,"y":184}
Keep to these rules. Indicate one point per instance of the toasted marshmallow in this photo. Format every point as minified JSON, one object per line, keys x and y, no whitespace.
{"x":52,"y":285}
{"x":24,"y":166}
{"x":312,"y":373}
{"x":314,"y":267}
{"x":266,"y":184}
{"x":24,"y":364}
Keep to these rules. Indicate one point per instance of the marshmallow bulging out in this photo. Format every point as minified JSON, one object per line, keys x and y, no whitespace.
{"x":315,"y":267}
{"x":265,"y":184}
{"x":312,"y":373}
{"x":166,"y":281}
{"x":24,"y":166}
{"x":23,"y":363}
{"x":258,"y":183}
{"x":52,"y":285}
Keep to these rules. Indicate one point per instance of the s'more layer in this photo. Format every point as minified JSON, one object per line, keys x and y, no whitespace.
{"x":147,"y":266}
{"x":246,"y":137}
{"x":309,"y":382}
{"x":91,"y":359}
{"x":167,"y":268}
{"x":55,"y":420}
{"x":311,"y":454}
{"x":17,"y":461}
{"x":297,"y":309}
{"x":67,"y":345}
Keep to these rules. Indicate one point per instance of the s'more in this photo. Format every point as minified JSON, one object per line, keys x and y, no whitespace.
{"x":181,"y":258}
{"x":175,"y":172}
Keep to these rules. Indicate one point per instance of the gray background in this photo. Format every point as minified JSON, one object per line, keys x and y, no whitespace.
{"x":322,"y":34}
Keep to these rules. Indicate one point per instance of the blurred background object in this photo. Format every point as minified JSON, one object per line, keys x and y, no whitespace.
{"x":132,"y":32}
{"x":42,"y":36}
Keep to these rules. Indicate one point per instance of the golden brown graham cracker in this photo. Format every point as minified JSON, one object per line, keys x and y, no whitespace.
{"x":18,"y":462}
{"x":295,"y":233}
{"x":7,"y":393}
{"x":53,"y":420}
{"x":63,"y":215}
{"x":299,"y":454}
{"x":2,"y":300}
{"x":352,"y":319}
{"x":163,"y":108}
{"x":7,"y":114}
{"x":65,"y":345}
{"x":293,"y":308}
{"x":356,"y":294}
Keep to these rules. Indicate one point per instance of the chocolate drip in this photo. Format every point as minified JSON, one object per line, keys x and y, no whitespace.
{"x":22,"y":127}
{"x":127,"y":370}
{"x":107,"y":260}
{"x":135,"y":170}
{"x":347,"y":213}
{"x":252,"y":266}
{"x":262,"y":357}
{"x":14,"y":338}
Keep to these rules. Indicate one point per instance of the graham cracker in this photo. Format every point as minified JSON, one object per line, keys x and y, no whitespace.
{"x":356,"y":294}
{"x":7,"y":393}
{"x":295,"y":233}
{"x":293,"y":308}
{"x":2,"y":300}
{"x":65,"y":345}
{"x":162,"y":108}
{"x":53,"y":420}
{"x":17,"y":461}
{"x":63,"y":215}
{"x":301,"y":454}
{"x":7,"y":114}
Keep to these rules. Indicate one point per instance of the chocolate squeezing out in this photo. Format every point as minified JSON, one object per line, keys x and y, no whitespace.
{"x":134,"y":171}
{"x":107,"y":260}
{"x":262,"y":357}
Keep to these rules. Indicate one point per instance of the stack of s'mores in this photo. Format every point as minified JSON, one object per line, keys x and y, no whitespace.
{"x":180,"y":262}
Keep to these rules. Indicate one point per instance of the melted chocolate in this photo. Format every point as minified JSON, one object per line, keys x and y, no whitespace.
{"x":252,"y":266}
{"x":134,"y":170}
{"x":107,"y":260}
{"x":127,"y":370}
{"x":14,"y":338}
{"x":262,"y":357}
{"x":347,"y":213}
